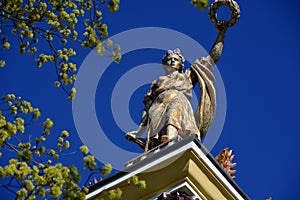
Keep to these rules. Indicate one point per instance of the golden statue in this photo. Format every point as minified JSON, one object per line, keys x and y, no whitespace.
{"x":168,"y":114}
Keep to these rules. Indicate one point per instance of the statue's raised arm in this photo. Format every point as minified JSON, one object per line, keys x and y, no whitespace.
{"x":202,"y":73}
{"x":221,"y":26}
{"x":202,"y":68}
{"x":217,"y":48}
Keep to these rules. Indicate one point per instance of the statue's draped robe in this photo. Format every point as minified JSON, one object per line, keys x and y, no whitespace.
{"x":202,"y":71}
{"x":167,"y":102}
{"x":169,"y":97}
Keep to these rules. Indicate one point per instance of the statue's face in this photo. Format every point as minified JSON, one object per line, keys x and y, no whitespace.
{"x":174,"y":61}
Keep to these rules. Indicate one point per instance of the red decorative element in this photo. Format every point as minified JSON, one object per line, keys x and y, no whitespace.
{"x":225,"y":158}
{"x":95,"y":181}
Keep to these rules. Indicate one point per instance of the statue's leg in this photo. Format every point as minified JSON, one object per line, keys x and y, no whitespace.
{"x":171,"y":133}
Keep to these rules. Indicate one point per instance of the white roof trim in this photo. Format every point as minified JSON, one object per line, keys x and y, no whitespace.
{"x":156,"y":162}
{"x":181,"y":185}
{"x":216,"y":171}
{"x":142,"y":169}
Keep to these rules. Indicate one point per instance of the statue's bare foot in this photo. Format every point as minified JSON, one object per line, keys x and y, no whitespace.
{"x":171,"y":134}
{"x":164,"y":139}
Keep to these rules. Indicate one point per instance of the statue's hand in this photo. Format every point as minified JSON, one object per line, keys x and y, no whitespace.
{"x":131,"y":135}
{"x":222,"y":26}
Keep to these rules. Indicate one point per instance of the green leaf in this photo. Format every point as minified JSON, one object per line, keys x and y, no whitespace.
{"x":2,"y":63}
{"x":106,"y":169}
{"x":84,"y":150}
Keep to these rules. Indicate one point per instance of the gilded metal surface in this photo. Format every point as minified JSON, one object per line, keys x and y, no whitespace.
{"x":168,"y":112}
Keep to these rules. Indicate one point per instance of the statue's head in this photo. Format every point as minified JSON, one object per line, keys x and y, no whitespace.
{"x":174,"y":59}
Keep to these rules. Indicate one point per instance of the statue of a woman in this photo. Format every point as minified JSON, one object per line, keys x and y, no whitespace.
{"x":168,"y":113}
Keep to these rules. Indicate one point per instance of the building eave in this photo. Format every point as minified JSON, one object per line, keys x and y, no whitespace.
{"x":189,"y":150}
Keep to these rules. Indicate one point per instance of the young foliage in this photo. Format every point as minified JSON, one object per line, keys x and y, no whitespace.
{"x":34,"y":171}
{"x":34,"y":168}
{"x":58,"y":24}
{"x":135,"y":181}
{"x":201,"y":4}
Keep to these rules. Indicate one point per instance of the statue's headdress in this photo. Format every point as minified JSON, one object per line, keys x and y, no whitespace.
{"x":177,"y":52}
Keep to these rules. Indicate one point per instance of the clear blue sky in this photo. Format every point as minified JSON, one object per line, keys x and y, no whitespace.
{"x":259,"y":68}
